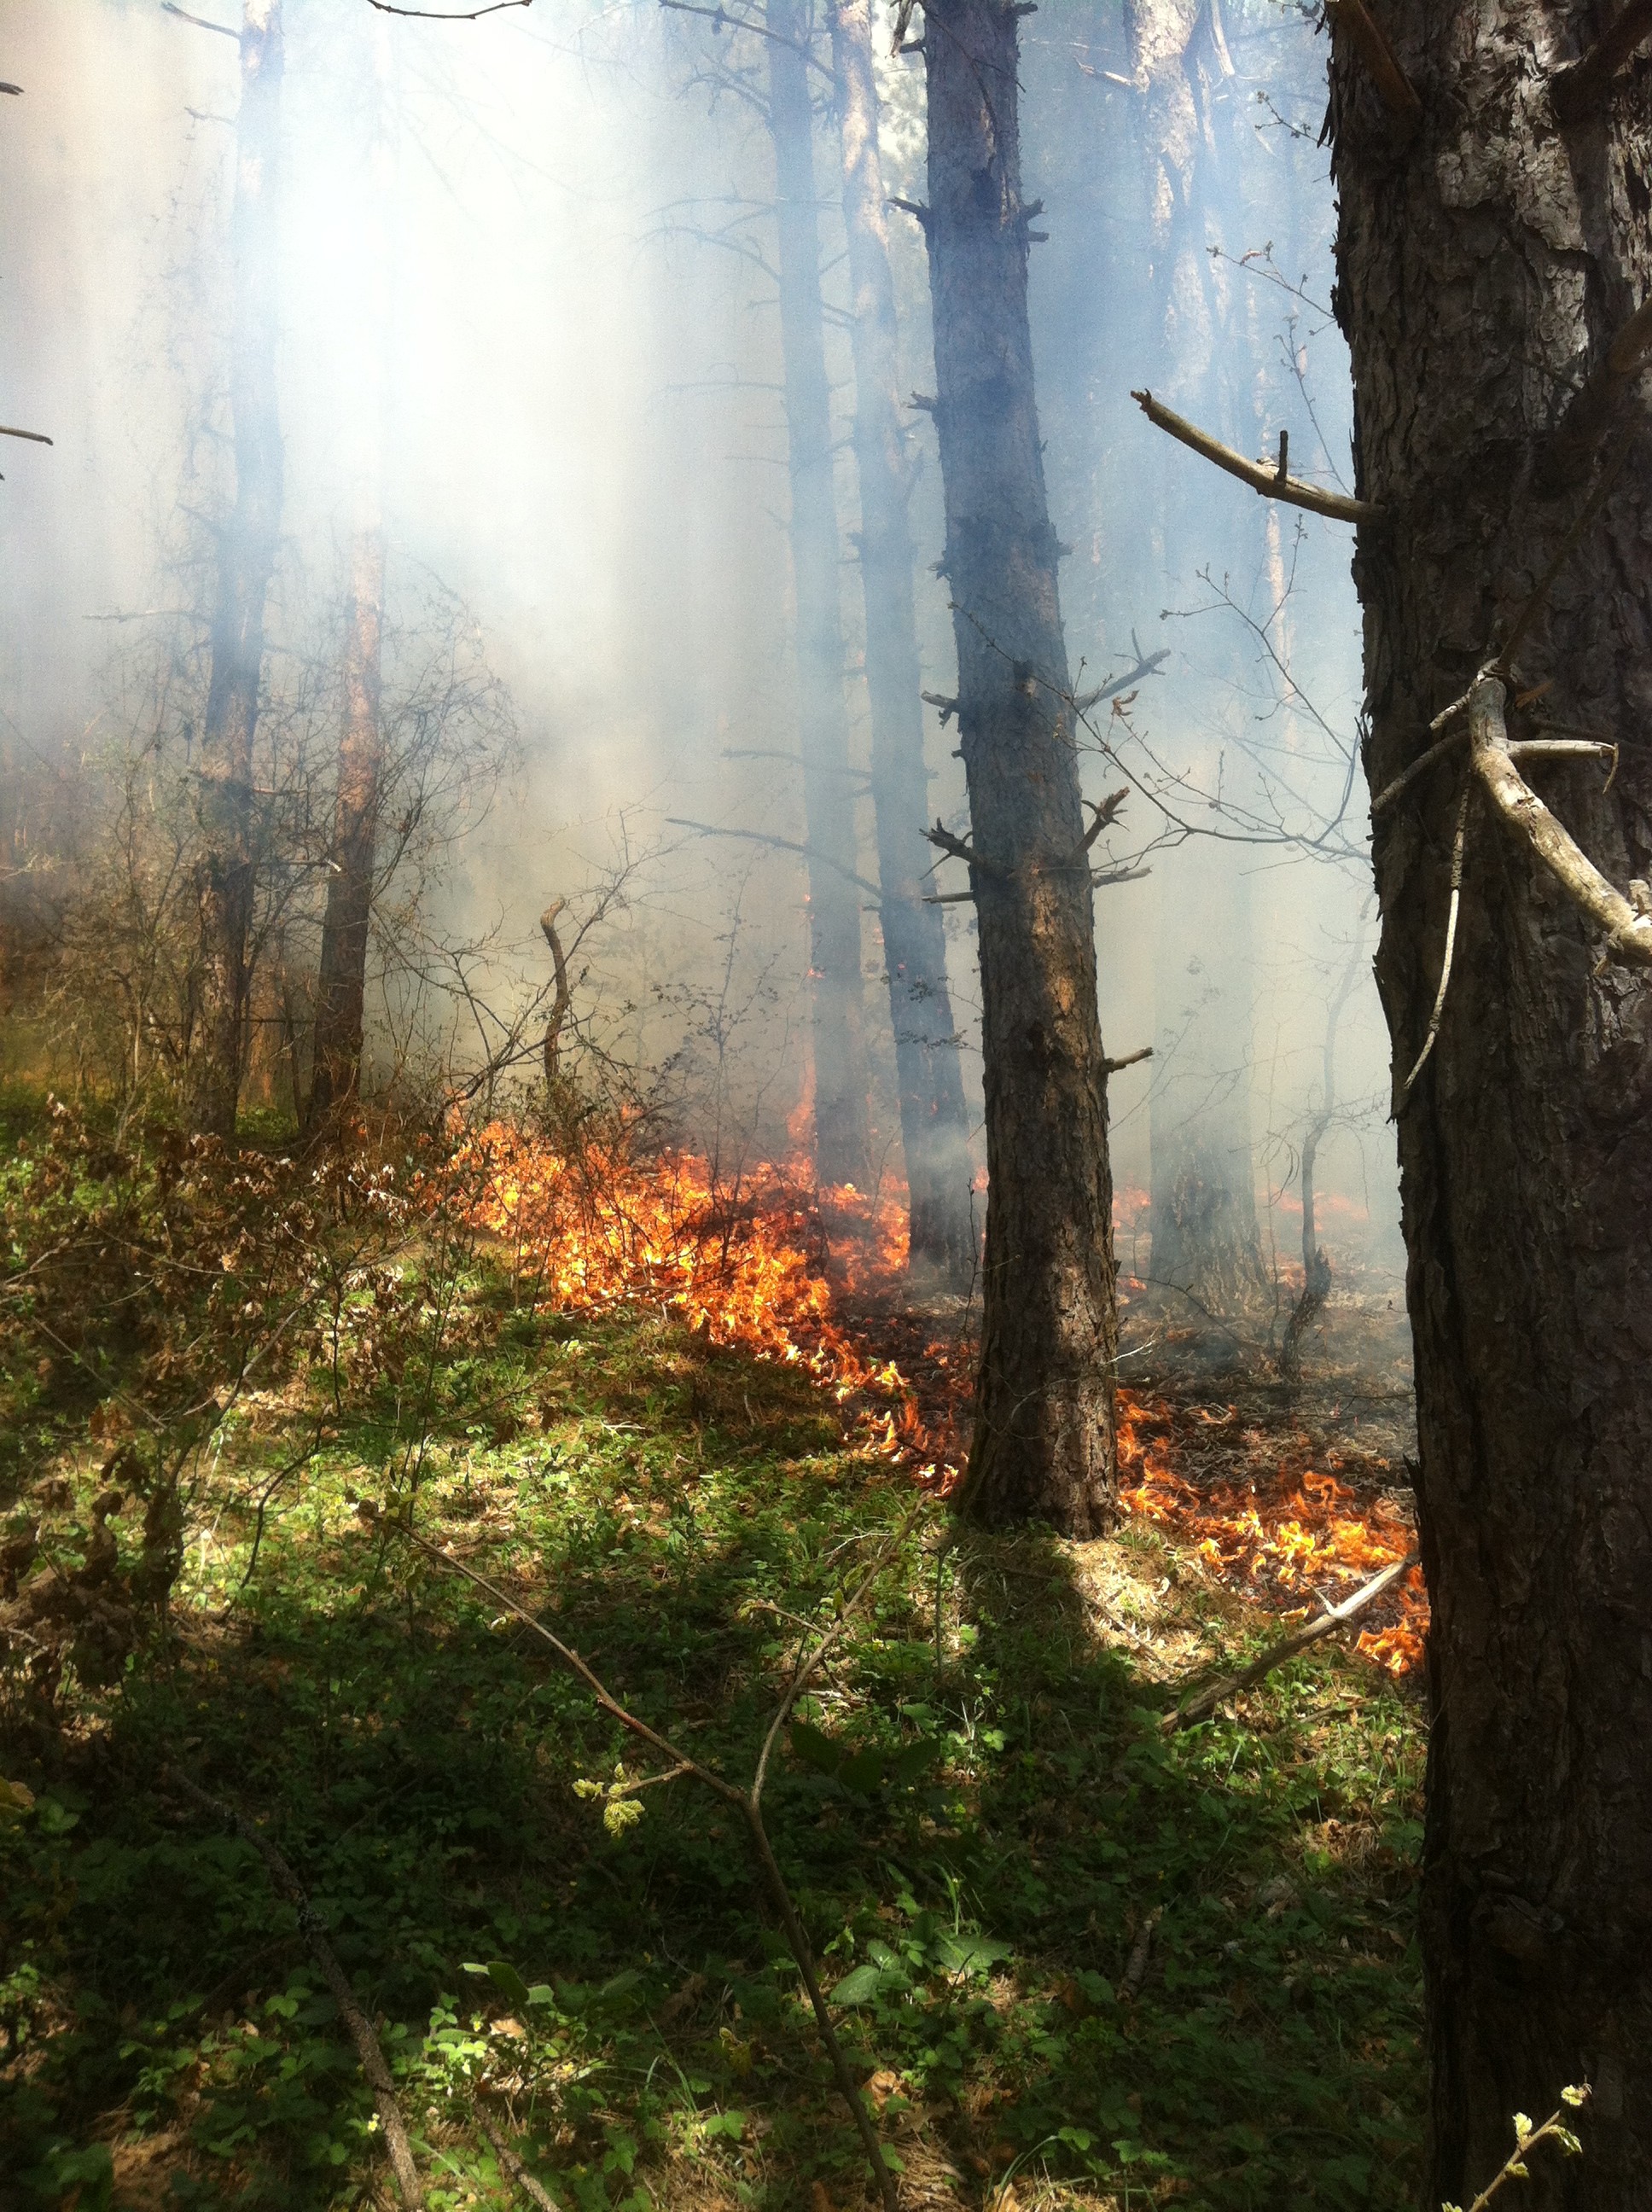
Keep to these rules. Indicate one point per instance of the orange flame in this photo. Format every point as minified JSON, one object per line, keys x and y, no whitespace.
{"x":774,"y":1265}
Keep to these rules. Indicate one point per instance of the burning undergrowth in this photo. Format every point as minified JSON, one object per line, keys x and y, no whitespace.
{"x":768,"y":1262}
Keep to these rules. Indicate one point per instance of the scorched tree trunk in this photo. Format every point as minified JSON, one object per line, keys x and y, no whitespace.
{"x":1043,"y":1445}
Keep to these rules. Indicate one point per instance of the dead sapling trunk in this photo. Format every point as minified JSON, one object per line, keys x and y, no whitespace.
{"x":934,"y":1122}
{"x":247,"y":560}
{"x":563,"y":1001}
{"x":842,"y":1145}
{"x":341,"y":990}
{"x":1315,"y":1264}
{"x":1043,"y":1445}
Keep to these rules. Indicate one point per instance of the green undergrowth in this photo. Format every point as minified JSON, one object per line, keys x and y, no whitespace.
{"x":1073,"y":1958}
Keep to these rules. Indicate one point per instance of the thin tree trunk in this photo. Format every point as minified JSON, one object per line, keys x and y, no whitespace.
{"x":1044,"y":1427}
{"x":341,"y":989}
{"x":934,"y":1125}
{"x":1486,"y":258}
{"x":247,"y":560}
{"x":842,"y":1141}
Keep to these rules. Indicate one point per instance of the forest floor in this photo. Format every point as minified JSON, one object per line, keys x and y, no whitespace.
{"x":1078,"y":1961}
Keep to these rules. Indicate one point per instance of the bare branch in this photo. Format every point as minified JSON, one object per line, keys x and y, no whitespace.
{"x":1106,"y":814}
{"x":1586,"y":85}
{"x":34,"y":437}
{"x":361,"y":2035}
{"x":564,"y":995}
{"x":1259,"y":475}
{"x":1334,"y":1617}
{"x":721,"y":20}
{"x":941,"y":836}
{"x":1394,"y":87}
{"x":783,"y":844}
{"x":440,"y":15}
{"x":1112,"y":1066}
{"x":1628,"y":927}
{"x":1459,"y":847}
{"x":201,"y":23}
{"x":1146,"y":665}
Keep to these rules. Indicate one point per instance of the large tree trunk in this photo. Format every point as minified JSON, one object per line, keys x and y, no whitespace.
{"x":1044,"y":1437}
{"x":341,"y":989}
{"x":247,"y":560}
{"x":1487,"y":254}
{"x":934,"y":1126}
{"x":841,"y":1143}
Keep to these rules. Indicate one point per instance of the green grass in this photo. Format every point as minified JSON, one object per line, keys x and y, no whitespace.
{"x":674,"y":1509}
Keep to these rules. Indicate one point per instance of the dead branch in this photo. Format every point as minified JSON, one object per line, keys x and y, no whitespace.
{"x":201,"y":23}
{"x":1106,"y":814}
{"x":785,"y":845}
{"x":1146,"y":665}
{"x":1628,"y":927}
{"x":1130,"y":1058}
{"x":948,"y":706}
{"x":1458,"y":846}
{"x":941,"y":836}
{"x":512,"y":2164}
{"x":564,"y":996}
{"x":1257,"y":474}
{"x":720,"y":20}
{"x":34,"y":437}
{"x":1103,"y":879}
{"x":440,"y":15}
{"x":1334,"y":1617}
{"x":360,"y":2031}
{"x":1394,"y":87}
{"x":747,"y":1803}
{"x":1586,"y":85}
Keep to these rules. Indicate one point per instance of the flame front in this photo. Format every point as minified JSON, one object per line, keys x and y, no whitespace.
{"x":770,"y":1263}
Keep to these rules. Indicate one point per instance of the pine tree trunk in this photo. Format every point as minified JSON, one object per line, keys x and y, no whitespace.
{"x":341,"y":990}
{"x":934,"y":1125}
{"x":841,"y":1142}
{"x":1486,"y":256}
{"x":247,"y":560}
{"x":1044,"y":1434}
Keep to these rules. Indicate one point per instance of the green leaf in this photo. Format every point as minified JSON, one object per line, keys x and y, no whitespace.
{"x":816,"y":1748}
{"x":730,"y":2124}
{"x":542,"y":1994}
{"x":505,"y":1977}
{"x":863,"y":1772}
{"x":915,"y":1758}
{"x":976,"y":1955}
{"x":860,"y":1987}
{"x":617,"y":1986}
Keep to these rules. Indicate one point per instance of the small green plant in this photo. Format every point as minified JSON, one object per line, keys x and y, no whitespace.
{"x":1527,"y":2139}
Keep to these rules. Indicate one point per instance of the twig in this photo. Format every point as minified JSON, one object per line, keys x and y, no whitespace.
{"x":361,"y":2035}
{"x":441,"y":14}
{"x":1586,"y":84}
{"x":201,"y":23}
{"x":749,"y":1803}
{"x":1202,"y":1707}
{"x":1394,"y":88}
{"x":1146,"y":665}
{"x":1526,"y":2138}
{"x":1458,"y":846}
{"x":1258,"y":474}
{"x":721,"y":20}
{"x":512,"y":2164}
{"x":1447,"y":715}
{"x":785,"y":844}
{"x":1628,"y":927}
{"x":34,"y":437}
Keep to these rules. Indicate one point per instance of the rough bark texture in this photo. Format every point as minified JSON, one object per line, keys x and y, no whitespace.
{"x":1486,"y":258}
{"x":841,"y":1144}
{"x":1044,"y":1435}
{"x":341,"y":987}
{"x":934,"y":1126}
{"x":247,"y":560}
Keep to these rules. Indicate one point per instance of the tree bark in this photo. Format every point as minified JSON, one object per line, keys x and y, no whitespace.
{"x":247,"y":560}
{"x":1043,"y":1444}
{"x":1486,"y":259}
{"x":341,"y":988}
{"x":842,"y":1141}
{"x":934,"y":1125}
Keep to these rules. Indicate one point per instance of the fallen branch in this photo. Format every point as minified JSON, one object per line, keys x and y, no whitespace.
{"x":360,"y":2031}
{"x":747,"y":1803}
{"x":1200,"y":1708}
{"x":1628,"y":927}
{"x":1257,"y":474}
{"x":512,"y":2165}
{"x":1586,"y":85}
{"x":1394,"y":87}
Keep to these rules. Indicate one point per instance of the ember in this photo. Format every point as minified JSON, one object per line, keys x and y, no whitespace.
{"x":785,"y":1271}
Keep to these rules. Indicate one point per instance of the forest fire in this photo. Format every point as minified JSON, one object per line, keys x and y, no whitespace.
{"x":766,"y":1263}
